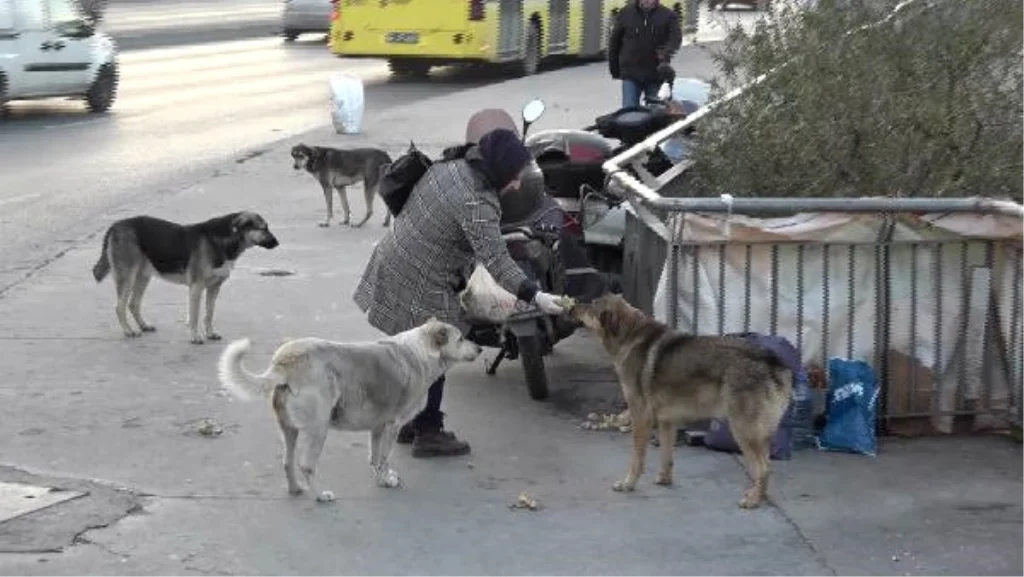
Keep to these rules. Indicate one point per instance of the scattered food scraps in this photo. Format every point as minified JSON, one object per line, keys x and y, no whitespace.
{"x":525,"y":501}
{"x":566,"y":302}
{"x":621,"y":422}
{"x":208,"y":428}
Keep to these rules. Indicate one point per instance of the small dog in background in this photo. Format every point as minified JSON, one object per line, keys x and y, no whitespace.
{"x":669,"y":378}
{"x":336,"y":168}
{"x":199,"y":256}
{"x":315,"y":385}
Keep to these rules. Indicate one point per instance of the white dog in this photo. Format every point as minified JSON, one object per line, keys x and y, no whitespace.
{"x":315,"y":384}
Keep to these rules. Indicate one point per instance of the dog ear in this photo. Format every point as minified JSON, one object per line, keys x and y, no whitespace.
{"x":439,"y":336}
{"x":237,"y":223}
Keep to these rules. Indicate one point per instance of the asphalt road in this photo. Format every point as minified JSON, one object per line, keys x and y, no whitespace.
{"x":180,"y":113}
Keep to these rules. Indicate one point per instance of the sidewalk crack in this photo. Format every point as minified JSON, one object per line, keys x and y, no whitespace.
{"x":818,"y":556}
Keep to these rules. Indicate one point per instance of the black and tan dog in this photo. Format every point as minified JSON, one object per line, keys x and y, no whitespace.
{"x":669,"y":378}
{"x":199,"y":256}
{"x":337,"y":168}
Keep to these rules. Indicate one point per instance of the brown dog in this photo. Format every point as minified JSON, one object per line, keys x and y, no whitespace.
{"x":669,"y":378}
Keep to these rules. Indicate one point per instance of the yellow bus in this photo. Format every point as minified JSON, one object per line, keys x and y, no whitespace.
{"x":415,"y":35}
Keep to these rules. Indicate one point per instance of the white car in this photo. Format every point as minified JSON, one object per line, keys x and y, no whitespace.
{"x":49,"y":48}
{"x":305,"y":16}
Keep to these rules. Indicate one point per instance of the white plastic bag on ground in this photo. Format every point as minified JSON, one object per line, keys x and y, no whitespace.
{"x":484,"y":299}
{"x":347,"y":103}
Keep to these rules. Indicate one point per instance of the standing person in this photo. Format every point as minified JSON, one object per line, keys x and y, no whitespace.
{"x":645,"y":37}
{"x":449,"y":223}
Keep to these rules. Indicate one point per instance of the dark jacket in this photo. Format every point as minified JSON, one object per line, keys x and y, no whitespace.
{"x":641,"y":40}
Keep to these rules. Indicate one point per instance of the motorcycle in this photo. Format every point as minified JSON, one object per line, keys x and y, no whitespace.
{"x":571,"y":161}
{"x":533,"y":227}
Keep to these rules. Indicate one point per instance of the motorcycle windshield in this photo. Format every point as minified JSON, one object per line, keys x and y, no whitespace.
{"x":691,"y":92}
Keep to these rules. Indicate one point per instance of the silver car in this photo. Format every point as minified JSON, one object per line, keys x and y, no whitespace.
{"x":301,"y":16}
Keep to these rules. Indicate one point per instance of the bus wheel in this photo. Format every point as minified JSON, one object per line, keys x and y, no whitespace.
{"x":408,"y":68}
{"x":530,"y":63}
{"x":3,"y":96}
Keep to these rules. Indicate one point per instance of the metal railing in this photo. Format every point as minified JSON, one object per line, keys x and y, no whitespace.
{"x":939,"y":320}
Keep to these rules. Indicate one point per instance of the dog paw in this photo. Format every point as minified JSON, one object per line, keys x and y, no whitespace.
{"x":323,"y":224}
{"x":197,"y":340}
{"x":132,"y":334}
{"x":389,"y":480}
{"x":296,"y":491}
{"x":623,"y":487}
{"x":148,"y":329}
{"x":662,"y":479}
{"x":325,"y":497}
{"x":213,"y":336}
{"x":750,"y":501}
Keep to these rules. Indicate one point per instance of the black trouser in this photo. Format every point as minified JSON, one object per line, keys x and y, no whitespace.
{"x":431,"y":417}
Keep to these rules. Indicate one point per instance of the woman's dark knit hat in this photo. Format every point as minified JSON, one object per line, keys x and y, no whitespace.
{"x":503,"y":156}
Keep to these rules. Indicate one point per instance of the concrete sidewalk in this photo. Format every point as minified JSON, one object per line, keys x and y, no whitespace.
{"x":86,"y":410}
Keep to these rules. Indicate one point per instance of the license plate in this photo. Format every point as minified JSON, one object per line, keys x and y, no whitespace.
{"x":403,"y":37}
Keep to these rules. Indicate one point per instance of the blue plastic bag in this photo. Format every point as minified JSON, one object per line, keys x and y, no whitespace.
{"x":851,"y":401}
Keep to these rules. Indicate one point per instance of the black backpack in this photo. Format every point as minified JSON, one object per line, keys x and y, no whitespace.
{"x":401,"y":176}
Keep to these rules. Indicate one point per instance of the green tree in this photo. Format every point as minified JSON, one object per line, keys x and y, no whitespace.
{"x":926,"y":103}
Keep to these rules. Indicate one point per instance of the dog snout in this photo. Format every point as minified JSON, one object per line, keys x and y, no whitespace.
{"x":471,"y":351}
{"x":578,"y":311}
{"x":269,"y":241}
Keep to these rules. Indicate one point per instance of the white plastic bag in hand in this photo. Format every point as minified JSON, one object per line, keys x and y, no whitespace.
{"x":484,"y":299}
{"x":347,"y":103}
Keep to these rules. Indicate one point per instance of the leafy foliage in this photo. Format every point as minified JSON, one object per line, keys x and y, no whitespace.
{"x":928,"y":103}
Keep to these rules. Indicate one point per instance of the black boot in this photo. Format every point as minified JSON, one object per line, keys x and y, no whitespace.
{"x":406,"y":434}
{"x":436,"y":442}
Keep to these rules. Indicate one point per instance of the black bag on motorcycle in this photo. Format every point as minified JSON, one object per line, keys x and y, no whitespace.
{"x":401,"y":176}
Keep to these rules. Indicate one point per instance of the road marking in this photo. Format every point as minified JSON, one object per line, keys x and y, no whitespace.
{"x":17,"y":499}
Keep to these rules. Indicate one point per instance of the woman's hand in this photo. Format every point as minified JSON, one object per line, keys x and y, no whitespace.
{"x":548,"y":303}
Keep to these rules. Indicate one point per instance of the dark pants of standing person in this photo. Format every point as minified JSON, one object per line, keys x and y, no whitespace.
{"x":431,"y":417}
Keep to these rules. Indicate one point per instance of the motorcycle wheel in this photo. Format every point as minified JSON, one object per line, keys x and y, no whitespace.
{"x":531,"y":353}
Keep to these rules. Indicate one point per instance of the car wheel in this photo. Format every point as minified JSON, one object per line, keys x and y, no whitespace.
{"x":290,"y":35}
{"x":409,"y":68}
{"x":101,"y":94}
{"x":530,"y":63}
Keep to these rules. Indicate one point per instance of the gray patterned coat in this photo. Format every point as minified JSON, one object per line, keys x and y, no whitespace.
{"x":450,"y":222}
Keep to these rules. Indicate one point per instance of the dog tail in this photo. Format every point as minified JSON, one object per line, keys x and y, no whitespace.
{"x":102,"y":266}
{"x":240,"y":382}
